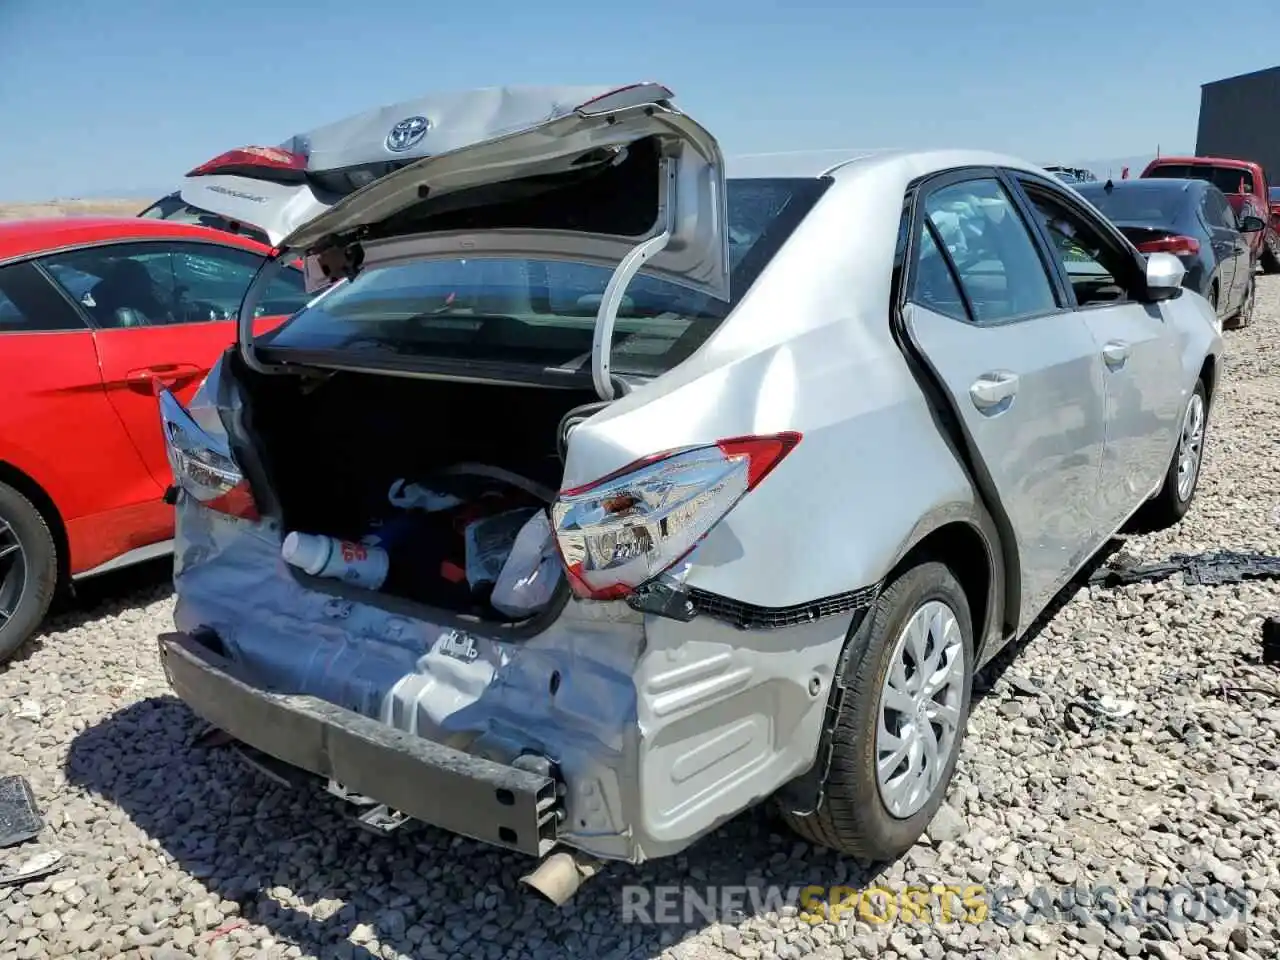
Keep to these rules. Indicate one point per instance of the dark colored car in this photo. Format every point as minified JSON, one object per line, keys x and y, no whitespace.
{"x":1271,"y":258}
{"x":1243,"y":182}
{"x":1192,"y":220}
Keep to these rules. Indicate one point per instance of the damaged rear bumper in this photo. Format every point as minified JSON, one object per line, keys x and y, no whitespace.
{"x":475,"y":797}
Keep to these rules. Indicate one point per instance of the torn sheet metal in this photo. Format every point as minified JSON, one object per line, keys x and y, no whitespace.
{"x":20,"y":820}
{"x":33,"y":868}
{"x":1204,"y":569}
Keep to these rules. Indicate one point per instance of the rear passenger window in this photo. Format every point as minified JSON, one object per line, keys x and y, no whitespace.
{"x":29,"y":304}
{"x":992,"y":251}
{"x":935,"y":285}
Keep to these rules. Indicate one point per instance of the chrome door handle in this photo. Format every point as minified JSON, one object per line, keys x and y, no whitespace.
{"x":1116,"y":352}
{"x":993,"y":389}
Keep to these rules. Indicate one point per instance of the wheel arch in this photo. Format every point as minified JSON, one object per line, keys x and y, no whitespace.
{"x":969,"y":545}
{"x":1209,"y":371}
{"x":29,"y":488}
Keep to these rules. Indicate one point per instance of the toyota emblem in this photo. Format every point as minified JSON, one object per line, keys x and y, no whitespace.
{"x":406,"y":133}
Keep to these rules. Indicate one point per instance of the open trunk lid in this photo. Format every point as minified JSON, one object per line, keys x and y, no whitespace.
{"x":441,"y":201}
{"x":621,"y":180}
{"x":282,"y":187}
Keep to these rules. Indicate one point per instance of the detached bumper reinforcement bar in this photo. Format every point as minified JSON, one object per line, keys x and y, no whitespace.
{"x":467,"y":795}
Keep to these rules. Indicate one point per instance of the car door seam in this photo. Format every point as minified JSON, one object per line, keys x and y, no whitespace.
{"x":947,"y":416}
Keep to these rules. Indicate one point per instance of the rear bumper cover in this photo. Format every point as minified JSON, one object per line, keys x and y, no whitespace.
{"x":450,"y":789}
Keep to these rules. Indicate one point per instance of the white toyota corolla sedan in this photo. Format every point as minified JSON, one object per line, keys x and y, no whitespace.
{"x":602,"y":496}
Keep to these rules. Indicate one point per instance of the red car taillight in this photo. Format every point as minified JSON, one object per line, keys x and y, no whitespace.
{"x":268,"y":162}
{"x":1180,"y":246}
{"x":202,"y":463}
{"x":623,"y":530}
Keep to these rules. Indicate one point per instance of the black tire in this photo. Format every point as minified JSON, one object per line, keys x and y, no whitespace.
{"x":26,"y":599}
{"x":853,"y":818}
{"x":1244,"y":316}
{"x":1169,"y":506}
{"x":1270,"y":258}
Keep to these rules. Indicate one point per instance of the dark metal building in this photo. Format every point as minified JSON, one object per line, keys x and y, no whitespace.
{"x":1240,"y":118}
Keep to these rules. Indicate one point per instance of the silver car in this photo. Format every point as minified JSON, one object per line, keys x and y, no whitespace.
{"x":781,"y":460}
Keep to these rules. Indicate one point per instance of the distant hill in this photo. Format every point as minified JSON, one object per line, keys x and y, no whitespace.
{"x":73,"y":208}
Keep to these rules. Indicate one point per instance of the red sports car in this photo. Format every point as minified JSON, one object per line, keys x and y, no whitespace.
{"x":94,"y":313}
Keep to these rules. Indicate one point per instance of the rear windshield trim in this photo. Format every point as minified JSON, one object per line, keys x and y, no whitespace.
{"x":474,"y":370}
{"x":804,"y":195}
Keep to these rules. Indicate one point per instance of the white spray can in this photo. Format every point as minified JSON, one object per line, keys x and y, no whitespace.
{"x":359,"y":564}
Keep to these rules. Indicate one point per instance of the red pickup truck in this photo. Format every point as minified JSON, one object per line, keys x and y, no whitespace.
{"x":1247,"y":190}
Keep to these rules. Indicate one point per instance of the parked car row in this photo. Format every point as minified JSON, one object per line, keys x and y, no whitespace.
{"x":565,"y":357}
{"x":1244,"y":184}
{"x":1192,"y":220}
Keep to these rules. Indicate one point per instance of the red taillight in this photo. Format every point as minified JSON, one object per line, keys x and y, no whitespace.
{"x":626,"y":528}
{"x":202,"y":464}
{"x":762,"y":453}
{"x":1179,"y":246}
{"x":236,"y":502}
{"x":255,"y":161}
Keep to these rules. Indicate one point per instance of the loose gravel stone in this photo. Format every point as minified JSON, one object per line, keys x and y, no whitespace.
{"x":172,"y":850}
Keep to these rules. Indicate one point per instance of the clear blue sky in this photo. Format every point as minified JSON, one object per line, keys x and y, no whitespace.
{"x":103,"y":96}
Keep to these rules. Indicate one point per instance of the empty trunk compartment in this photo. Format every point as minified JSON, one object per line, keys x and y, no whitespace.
{"x":338,"y":453}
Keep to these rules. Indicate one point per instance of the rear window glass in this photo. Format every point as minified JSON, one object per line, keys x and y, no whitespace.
{"x":1226,"y":179}
{"x":1141,"y":203}
{"x":540,"y":311}
{"x":174,"y":209}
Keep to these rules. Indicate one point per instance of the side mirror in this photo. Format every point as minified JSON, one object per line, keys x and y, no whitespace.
{"x":1252,"y":224}
{"x":1164,"y":276}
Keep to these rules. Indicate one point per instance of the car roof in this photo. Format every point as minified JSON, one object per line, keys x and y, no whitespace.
{"x":1150,"y":184}
{"x":24,"y":238}
{"x":845,"y":163}
{"x":1231,"y":162}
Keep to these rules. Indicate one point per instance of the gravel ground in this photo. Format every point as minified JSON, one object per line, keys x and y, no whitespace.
{"x":172,"y":850}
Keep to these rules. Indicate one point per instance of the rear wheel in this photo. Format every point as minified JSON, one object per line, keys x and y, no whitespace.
{"x":1270,"y":259}
{"x":906,"y":678}
{"x":1183,"y":476}
{"x":1245,"y":315}
{"x":28,"y":570}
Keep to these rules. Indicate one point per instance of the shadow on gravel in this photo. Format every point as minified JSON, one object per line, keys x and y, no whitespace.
{"x":990,"y":674}
{"x":294,"y":862}
{"x":103,"y":595}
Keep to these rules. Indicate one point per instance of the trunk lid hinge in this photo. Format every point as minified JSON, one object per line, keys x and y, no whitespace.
{"x":269,"y":270}
{"x":607,"y":315}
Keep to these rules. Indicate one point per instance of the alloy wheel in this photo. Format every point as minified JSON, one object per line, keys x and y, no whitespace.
{"x":1190,"y":447}
{"x":918,"y":719}
{"x":13,"y":571}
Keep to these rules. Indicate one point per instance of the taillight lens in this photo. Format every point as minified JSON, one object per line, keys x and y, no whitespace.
{"x":623,"y":530}
{"x":1180,"y":246}
{"x":263,"y":162}
{"x":202,"y":463}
